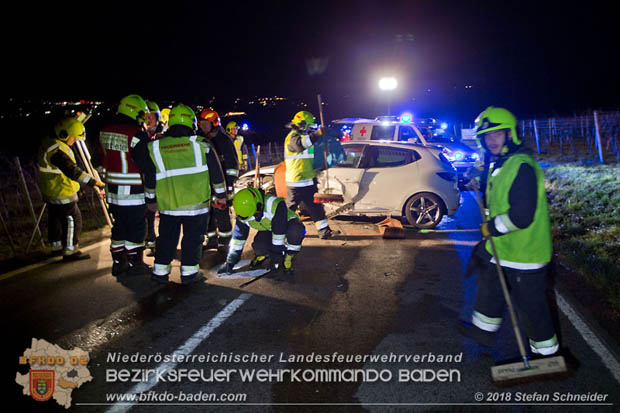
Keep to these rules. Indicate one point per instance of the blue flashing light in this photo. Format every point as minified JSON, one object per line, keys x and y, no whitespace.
{"x":406,"y":117}
{"x":245,"y":126}
{"x":458,"y":155}
{"x":444,"y":125}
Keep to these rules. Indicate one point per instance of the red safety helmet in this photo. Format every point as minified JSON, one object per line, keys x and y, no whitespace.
{"x":210,"y":115}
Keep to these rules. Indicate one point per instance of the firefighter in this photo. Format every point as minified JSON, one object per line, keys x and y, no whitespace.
{"x":301,"y":182}
{"x":124,"y":188}
{"x":233,"y":131}
{"x":183,"y":170}
{"x":219,"y":230}
{"x":280,"y":232}
{"x":518,"y":223}
{"x":59,"y":179}
{"x":154,"y":128}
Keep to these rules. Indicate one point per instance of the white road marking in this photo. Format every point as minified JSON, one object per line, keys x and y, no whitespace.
{"x":186,"y":349}
{"x":588,"y":335}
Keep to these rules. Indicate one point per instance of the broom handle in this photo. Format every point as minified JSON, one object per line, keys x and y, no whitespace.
{"x":324,"y":142}
{"x":502,"y":280}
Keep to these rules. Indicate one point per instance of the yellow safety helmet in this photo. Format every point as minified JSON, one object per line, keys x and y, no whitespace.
{"x":230,"y":126}
{"x":70,"y":127}
{"x":247,"y":202}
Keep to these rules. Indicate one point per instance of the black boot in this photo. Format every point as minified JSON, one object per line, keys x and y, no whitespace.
{"x":467,"y":329}
{"x":120,"y":264}
{"x":136,"y":264}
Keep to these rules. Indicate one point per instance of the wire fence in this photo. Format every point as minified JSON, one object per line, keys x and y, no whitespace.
{"x":587,"y":136}
{"x":21,"y":207}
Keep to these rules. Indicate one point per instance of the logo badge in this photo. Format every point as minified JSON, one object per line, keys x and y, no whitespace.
{"x":41,"y":384}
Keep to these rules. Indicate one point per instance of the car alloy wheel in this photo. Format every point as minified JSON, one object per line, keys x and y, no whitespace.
{"x":424,"y":210}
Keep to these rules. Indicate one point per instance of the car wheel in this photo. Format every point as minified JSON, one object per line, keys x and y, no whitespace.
{"x":424,"y":210}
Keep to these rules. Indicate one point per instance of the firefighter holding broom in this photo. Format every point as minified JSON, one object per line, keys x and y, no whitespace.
{"x":518,"y":226}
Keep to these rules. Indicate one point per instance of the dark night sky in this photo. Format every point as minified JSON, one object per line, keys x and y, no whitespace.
{"x":533,"y":57}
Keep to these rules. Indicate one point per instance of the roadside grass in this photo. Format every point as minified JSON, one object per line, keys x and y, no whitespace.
{"x":584,"y":203}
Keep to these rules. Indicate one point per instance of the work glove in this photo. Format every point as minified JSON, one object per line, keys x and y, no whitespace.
{"x":151,"y":206}
{"x":219,"y":204}
{"x":484,"y":228}
{"x":232,"y":259}
{"x":99,"y":184}
{"x":317,"y":134}
{"x":227,"y":268}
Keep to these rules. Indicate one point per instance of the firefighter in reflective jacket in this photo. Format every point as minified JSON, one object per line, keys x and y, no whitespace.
{"x":279,"y":236}
{"x":233,"y":131}
{"x":518,"y":222}
{"x":184,"y":168}
{"x":59,"y":180}
{"x":124,"y":188}
{"x":301,"y":183}
{"x":219,"y":229}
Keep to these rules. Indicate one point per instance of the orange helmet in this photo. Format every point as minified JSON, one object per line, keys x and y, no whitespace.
{"x":211,"y":116}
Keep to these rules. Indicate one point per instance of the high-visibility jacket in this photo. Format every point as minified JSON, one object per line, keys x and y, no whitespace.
{"x":299,"y":165}
{"x":56,"y":186}
{"x":238,"y":142}
{"x":520,"y":248}
{"x":278,"y":234}
{"x":120,"y":172}
{"x":183,"y":184}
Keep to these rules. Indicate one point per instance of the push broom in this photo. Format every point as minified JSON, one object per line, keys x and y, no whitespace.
{"x":525,"y":370}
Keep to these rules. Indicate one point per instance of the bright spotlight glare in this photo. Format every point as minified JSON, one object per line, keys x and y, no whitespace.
{"x":387,"y":83}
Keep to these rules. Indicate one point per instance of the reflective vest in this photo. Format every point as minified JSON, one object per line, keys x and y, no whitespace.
{"x":238,"y":142}
{"x":269,"y":211}
{"x":528,"y":248}
{"x":116,"y":142}
{"x":299,"y":171}
{"x":182,"y":176}
{"x":55,"y":185}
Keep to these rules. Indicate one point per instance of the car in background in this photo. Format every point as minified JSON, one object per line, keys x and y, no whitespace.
{"x":461,"y":156}
{"x":428,"y":132}
{"x":407,"y":180}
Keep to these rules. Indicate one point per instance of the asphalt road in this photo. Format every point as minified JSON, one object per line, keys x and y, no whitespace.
{"x":384,"y":311}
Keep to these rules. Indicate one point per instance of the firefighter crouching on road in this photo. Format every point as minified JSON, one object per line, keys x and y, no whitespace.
{"x":59,"y":179}
{"x":518,"y":222}
{"x":279,"y":236}
{"x":301,"y":180}
{"x":233,"y":131}
{"x":219,"y":229}
{"x":124,"y":188}
{"x":183,"y":169}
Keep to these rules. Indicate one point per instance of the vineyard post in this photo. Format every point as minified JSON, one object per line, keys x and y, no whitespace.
{"x":598,"y":137}
{"x":536,"y":135}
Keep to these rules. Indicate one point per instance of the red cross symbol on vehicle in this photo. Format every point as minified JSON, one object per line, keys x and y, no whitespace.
{"x":363,"y":131}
